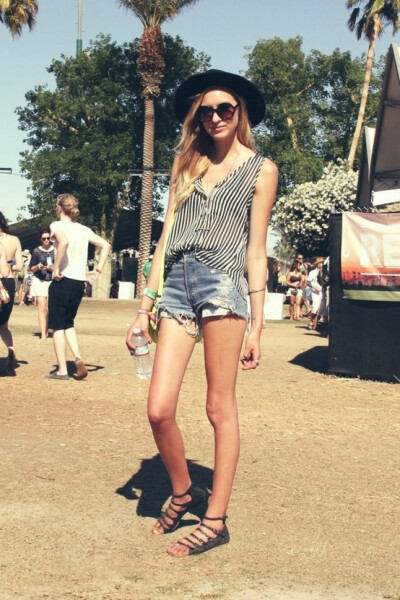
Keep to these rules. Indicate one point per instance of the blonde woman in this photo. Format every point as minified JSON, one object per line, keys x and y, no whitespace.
{"x":71,"y":240}
{"x":221,"y":196}
{"x":11,"y":246}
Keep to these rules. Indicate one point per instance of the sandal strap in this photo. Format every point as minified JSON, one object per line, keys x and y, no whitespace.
{"x":193,"y":541}
{"x":216,"y":531}
{"x":187,"y":493}
{"x":179,"y":508}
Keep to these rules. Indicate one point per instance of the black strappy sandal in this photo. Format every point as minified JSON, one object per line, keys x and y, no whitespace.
{"x":199,"y":545}
{"x":198,"y":497}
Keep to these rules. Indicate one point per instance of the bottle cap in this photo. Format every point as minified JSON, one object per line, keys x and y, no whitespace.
{"x":136,"y":331}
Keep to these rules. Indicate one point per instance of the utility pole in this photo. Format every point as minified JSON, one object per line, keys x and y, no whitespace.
{"x":79,"y":38}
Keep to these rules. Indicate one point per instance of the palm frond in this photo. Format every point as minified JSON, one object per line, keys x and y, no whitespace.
{"x":153,"y":13}
{"x":16,"y":14}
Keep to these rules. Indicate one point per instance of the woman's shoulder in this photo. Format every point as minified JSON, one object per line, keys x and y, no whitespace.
{"x":10,"y":238}
{"x":268,"y":166}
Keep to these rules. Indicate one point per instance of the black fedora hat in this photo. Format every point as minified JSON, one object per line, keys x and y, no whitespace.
{"x":220,"y":79}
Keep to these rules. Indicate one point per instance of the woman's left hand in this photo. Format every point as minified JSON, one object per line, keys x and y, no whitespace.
{"x":252,"y":353}
{"x":56,"y":274}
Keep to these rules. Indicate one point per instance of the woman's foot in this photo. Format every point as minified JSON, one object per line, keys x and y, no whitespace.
{"x":211,"y":532}
{"x":180,"y":504}
{"x":81,"y":370}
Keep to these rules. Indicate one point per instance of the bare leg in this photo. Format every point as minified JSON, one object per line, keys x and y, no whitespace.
{"x":6,"y":335}
{"x":299,"y":300}
{"x":7,"y":338}
{"x":43,"y":316}
{"x":72,"y":340}
{"x":60,"y":350}
{"x":222,"y":344}
{"x":291,"y":307}
{"x":174,"y":349}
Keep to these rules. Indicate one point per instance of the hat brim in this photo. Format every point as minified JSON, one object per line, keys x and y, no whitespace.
{"x":215,"y":78}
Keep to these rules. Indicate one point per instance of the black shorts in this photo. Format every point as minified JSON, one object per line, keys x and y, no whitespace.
{"x":64,"y":299}
{"x":5,"y":309}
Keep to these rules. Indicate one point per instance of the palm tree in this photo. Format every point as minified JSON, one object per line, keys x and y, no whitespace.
{"x":376,"y":15}
{"x":150,"y":66}
{"x":15,"y":14}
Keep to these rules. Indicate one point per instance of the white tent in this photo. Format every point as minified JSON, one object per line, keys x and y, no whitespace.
{"x":379,"y":177}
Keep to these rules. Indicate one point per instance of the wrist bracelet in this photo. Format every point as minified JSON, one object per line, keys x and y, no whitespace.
{"x":150,"y":293}
{"x":256,"y":291}
{"x":98,"y":270}
{"x":143,"y":311}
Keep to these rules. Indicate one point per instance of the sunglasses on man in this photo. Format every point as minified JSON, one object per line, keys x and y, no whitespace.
{"x":225,"y":111}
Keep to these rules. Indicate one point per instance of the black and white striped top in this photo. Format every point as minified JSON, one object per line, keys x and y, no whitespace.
{"x":216,"y":227}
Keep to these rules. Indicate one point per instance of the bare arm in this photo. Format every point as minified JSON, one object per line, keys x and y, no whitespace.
{"x":105,"y":248}
{"x":256,"y":257}
{"x":17,"y":266}
{"x":62,"y":245}
{"x":142,"y":320}
{"x":3,"y":263}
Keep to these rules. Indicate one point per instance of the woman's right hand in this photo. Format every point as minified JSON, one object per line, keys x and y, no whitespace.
{"x":141,"y":322}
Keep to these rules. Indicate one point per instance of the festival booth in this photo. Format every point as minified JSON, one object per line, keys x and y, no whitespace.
{"x":364,"y":330}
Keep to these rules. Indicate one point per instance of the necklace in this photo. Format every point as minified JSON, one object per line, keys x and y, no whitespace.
{"x":230,"y":168}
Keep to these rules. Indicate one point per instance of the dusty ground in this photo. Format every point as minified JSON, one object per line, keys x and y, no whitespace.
{"x":315,"y":509}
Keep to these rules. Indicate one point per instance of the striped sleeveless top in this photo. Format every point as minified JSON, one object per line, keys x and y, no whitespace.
{"x":216,"y":227}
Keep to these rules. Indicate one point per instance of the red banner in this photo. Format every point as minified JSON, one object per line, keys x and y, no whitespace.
{"x":371,"y":256}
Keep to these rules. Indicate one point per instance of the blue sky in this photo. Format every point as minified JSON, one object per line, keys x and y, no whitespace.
{"x":223,"y":29}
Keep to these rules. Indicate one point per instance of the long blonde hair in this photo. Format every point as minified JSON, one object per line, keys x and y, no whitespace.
{"x":69,"y":205}
{"x":195,"y":146}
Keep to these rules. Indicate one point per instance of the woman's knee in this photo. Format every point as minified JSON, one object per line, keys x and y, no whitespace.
{"x":221,"y":410}
{"x":159,"y":414}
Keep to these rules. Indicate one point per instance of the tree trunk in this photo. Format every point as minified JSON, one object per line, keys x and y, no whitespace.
{"x":146,"y":205}
{"x":292,"y":132}
{"x":364,"y":95}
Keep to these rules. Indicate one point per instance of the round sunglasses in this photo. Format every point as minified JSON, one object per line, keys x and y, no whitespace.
{"x":225,"y":111}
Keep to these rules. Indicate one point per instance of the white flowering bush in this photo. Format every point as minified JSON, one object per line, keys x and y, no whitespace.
{"x":302,"y":217}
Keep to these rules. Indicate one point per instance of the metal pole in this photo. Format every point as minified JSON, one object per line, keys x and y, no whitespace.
{"x":79,"y":38}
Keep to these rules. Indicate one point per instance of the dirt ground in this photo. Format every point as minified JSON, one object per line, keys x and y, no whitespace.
{"x":315,"y":507}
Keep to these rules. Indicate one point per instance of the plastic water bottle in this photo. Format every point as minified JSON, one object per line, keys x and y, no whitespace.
{"x":142,"y":358}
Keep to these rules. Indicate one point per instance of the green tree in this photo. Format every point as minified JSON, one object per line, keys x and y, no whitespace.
{"x":151,"y":68}
{"x":336,"y":112}
{"x":302,"y":217}
{"x":15,"y":14}
{"x":376,"y":15}
{"x":312,"y":104}
{"x":290,"y":84}
{"x":84,"y":136}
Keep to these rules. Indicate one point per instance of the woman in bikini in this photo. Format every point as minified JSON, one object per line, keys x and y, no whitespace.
{"x":13,"y":255}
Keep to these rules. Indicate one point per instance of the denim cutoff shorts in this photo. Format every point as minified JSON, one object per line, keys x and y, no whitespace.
{"x":193,"y":291}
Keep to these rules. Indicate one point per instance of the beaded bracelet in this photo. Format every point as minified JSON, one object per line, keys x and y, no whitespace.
{"x":143,"y":311}
{"x":255,"y":291}
{"x":150,"y":293}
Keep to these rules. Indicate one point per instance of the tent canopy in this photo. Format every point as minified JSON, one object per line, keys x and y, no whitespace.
{"x":126,"y":235}
{"x":379,"y":177}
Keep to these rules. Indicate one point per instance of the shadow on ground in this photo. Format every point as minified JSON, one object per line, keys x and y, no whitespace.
{"x":315,"y":359}
{"x":153,"y":482}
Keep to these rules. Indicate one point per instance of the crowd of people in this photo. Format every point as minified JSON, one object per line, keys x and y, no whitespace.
{"x":307,"y":284}
{"x":54,"y":275}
